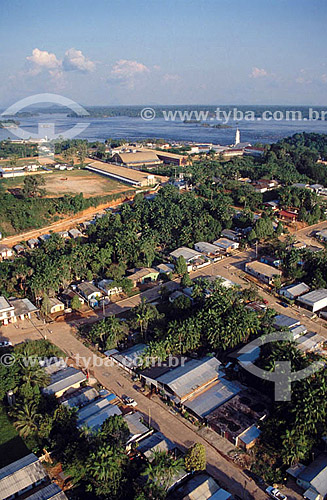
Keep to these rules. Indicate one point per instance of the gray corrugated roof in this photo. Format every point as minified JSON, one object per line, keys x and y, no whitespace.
{"x":250,"y":434}
{"x":4,"y":304}
{"x":313,"y":297}
{"x":20,"y":474}
{"x":95,"y":421}
{"x":297,"y":289}
{"x":185,"y":379}
{"x":52,"y":491}
{"x":23,"y":306}
{"x":221,"y":494}
{"x":281,"y":320}
{"x":211,"y":399}
{"x":156,"y":442}
{"x":80,"y":397}
{"x":135,"y":426}
{"x":187,"y":253}
{"x":316,"y":474}
{"x":64,"y":379}
{"x":94,"y":407}
{"x":200,"y":487}
{"x":130,"y":357}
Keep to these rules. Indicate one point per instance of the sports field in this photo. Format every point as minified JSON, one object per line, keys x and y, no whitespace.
{"x":72,"y":182}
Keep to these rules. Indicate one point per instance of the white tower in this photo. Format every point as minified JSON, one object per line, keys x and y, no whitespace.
{"x":237,"y":137}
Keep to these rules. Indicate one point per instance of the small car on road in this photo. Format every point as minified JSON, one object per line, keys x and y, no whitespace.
{"x":129,"y":401}
{"x":5,"y":343}
{"x":275,"y":493}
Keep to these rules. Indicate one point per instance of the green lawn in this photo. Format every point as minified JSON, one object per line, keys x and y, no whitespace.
{"x":12,"y":447}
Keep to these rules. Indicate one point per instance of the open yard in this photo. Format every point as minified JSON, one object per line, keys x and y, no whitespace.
{"x":12,"y":447}
{"x":72,"y":182}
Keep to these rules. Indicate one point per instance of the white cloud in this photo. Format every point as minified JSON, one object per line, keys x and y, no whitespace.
{"x":49,"y":63}
{"x":42,"y":59}
{"x":75,"y":60}
{"x":171,"y":78}
{"x":324,"y":78}
{"x":258,"y":73}
{"x":126,"y":72}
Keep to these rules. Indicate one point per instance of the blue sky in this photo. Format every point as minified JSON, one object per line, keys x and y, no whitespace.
{"x":165,"y":51}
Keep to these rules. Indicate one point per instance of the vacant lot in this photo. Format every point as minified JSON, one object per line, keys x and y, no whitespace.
{"x":73,"y":182}
{"x":12,"y":447}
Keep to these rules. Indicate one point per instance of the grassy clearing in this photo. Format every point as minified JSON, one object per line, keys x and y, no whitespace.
{"x":12,"y":447}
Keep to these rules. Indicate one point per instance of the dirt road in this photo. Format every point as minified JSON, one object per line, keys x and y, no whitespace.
{"x":63,"y":225}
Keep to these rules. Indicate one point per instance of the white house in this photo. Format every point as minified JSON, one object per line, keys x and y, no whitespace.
{"x":208,"y":249}
{"x":292,"y":292}
{"x":109,"y":289}
{"x":7,"y":311}
{"x":263,"y":272}
{"x":5,"y":252}
{"x":226,"y":245}
{"x":89,"y":291}
{"x":315,"y":300}
{"x":55,"y":305}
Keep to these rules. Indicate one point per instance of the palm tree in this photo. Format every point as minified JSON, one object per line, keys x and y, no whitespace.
{"x":27,"y":419}
{"x":144,"y":314}
{"x":163,"y":468}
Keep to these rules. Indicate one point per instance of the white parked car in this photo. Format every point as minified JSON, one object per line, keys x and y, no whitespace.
{"x":5,"y":343}
{"x":275,"y":493}
{"x":129,"y":401}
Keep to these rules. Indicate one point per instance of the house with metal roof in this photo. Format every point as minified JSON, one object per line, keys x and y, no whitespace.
{"x":313,"y":479}
{"x":5,"y":252}
{"x":144,"y":275}
{"x":7,"y":311}
{"x":138,"y":430}
{"x":23,"y":308}
{"x":201,"y":487}
{"x":64,"y":379}
{"x":230,"y":234}
{"x":188,"y":253}
{"x":282,"y":321}
{"x":190,"y":379}
{"x":89,"y":291}
{"x":315,"y":300}
{"x":262,"y":271}
{"x":209,"y":250}
{"x":80,"y":397}
{"x":294,"y":291}
{"x":311,"y":342}
{"x":21,"y":476}
{"x":217,"y":394}
{"x":129,"y":359}
{"x":55,"y":305}
{"x":19,"y":249}
{"x":94,"y":407}
{"x":44,"y":237}
{"x":226,"y":245}
{"x":165,"y":268}
{"x":95,"y":421}
{"x":322,"y":235}
{"x":75,"y":233}
{"x":49,"y":492}
{"x":155,"y":442}
{"x":32,"y":243}
{"x":109,"y":288}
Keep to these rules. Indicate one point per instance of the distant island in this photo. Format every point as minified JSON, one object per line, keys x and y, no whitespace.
{"x":9,"y":123}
